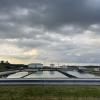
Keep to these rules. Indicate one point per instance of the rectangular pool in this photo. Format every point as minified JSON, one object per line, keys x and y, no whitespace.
{"x":46,"y":74}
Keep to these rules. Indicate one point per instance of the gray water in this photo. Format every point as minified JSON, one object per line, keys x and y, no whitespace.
{"x":38,"y":74}
{"x":47,"y":74}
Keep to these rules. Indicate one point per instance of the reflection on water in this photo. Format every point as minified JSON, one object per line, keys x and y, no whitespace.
{"x":52,"y":72}
{"x":39,"y":73}
{"x":47,"y":74}
{"x":81,"y":75}
{"x":18,"y":75}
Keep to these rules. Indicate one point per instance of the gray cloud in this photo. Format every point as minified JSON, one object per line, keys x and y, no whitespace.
{"x":52,"y":27}
{"x":52,"y":13}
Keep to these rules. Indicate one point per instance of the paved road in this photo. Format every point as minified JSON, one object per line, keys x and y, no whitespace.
{"x":49,"y":81}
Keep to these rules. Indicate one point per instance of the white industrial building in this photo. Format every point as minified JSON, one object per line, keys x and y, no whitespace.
{"x":35,"y":65}
{"x":52,"y":65}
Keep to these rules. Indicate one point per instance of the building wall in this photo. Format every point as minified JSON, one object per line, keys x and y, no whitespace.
{"x":35,"y":65}
{"x":52,"y":65}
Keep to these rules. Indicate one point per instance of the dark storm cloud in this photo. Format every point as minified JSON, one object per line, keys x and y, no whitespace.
{"x":52,"y":13}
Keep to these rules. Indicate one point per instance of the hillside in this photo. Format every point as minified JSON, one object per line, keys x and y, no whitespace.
{"x":2,"y":67}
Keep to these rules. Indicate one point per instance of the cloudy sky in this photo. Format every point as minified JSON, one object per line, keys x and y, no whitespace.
{"x":50,"y":31}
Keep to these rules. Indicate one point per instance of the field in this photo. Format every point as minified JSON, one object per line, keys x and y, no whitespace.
{"x":49,"y":92}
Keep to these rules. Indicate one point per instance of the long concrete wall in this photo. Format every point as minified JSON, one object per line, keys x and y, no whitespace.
{"x":49,"y":82}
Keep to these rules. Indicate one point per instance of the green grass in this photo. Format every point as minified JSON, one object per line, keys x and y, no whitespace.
{"x":2,"y":67}
{"x":49,"y":92}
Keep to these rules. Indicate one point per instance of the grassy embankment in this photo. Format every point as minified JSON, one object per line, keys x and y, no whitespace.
{"x":2,"y":67}
{"x":49,"y":92}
